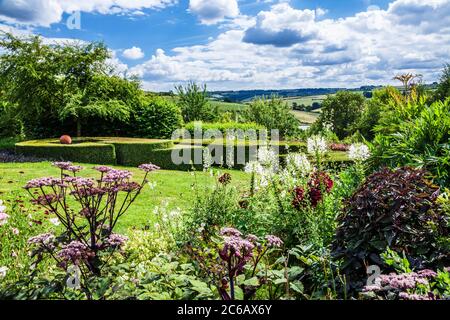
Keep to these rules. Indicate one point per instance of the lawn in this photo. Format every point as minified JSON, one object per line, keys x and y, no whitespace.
{"x":175,"y":187}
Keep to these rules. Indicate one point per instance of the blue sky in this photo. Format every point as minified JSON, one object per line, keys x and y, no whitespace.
{"x":244,"y":44}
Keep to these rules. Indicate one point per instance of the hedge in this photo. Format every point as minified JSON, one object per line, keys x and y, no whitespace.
{"x":87,"y":152}
{"x":134,"y":153}
{"x":222,"y":127}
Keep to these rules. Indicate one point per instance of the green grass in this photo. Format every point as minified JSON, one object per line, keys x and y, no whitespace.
{"x":228,"y":106}
{"x":175,"y":187}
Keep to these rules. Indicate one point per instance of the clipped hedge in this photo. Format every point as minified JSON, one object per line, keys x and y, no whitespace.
{"x":138,"y":151}
{"x":222,"y":127}
{"x":82,"y":151}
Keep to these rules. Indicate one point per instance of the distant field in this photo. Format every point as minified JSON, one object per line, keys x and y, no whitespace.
{"x":306,"y":117}
{"x":228,"y":106}
{"x":307,"y":101}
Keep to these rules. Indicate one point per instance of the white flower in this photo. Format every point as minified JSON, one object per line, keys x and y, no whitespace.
{"x":55,"y":221}
{"x":359,"y":152}
{"x":317,"y":144}
{"x":254,"y":167}
{"x":298,"y":163}
{"x":2,"y":207}
{"x":3,"y":271}
{"x":267,"y":157}
{"x":157,"y":226}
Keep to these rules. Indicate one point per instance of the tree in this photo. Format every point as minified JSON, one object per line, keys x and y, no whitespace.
{"x":273,"y":113}
{"x":343,"y":112}
{"x":194,"y":103}
{"x":407,"y":81}
{"x":52,"y":83}
{"x":443,"y":89}
{"x":105,"y":97}
{"x":157,"y":117}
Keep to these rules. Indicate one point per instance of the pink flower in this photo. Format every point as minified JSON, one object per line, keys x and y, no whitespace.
{"x":149,"y":167}
{"x":230,"y":232}
{"x":103,"y":169}
{"x":274,"y":241}
{"x":62,"y":165}
{"x":3,"y":218}
{"x":15,"y":231}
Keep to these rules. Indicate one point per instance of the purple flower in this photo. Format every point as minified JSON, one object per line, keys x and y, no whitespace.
{"x":45,"y":200}
{"x":412,"y":296}
{"x":75,"y":169}
{"x":75,"y":252}
{"x":88,"y":192}
{"x":230,"y":232}
{"x":252,"y":238}
{"x":274,"y":241}
{"x":129,"y":186}
{"x":79,"y":182}
{"x":116,"y":176}
{"x":103,"y":169}
{"x":43,"y":182}
{"x":116,"y":240}
{"x":427,"y":273}
{"x":238,"y":247}
{"x":42,"y":239}
{"x":62,"y":165}
{"x":149,"y":167}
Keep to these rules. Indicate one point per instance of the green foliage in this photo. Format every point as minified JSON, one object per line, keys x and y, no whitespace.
{"x":342,"y":112}
{"x":421,"y":139}
{"x":443,"y":89}
{"x":194,"y":103}
{"x":372,"y":113}
{"x":87,"y":152}
{"x":133,"y":153}
{"x":58,"y":86}
{"x":10,"y":123}
{"x":157,"y":117}
{"x":395,"y":209}
{"x":223,"y":127}
{"x":273,"y":114}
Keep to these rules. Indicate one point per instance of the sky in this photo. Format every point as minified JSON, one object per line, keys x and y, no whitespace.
{"x":245,"y":44}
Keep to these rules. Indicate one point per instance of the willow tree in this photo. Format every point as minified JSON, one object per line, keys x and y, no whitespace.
{"x":62,"y":81}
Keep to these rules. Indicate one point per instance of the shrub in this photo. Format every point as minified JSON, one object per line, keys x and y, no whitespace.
{"x":157,"y":117}
{"x":132,"y":152}
{"x":343,"y":112}
{"x":86,"y":152}
{"x":395,"y":209}
{"x":10,"y":123}
{"x":273,"y":113}
{"x":222,"y":126}
{"x":193,"y":101}
{"x":421,"y":140}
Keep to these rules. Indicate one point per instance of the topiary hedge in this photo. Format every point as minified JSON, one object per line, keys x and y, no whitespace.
{"x":86,"y":151}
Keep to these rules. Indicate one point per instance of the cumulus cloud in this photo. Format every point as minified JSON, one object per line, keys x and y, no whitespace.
{"x":213,"y":11}
{"x":291,"y":48}
{"x":134,"y":53}
{"x":47,"y":12}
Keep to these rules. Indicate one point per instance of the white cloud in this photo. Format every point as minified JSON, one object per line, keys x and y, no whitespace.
{"x":133,"y":53}
{"x":47,"y":12}
{"x":290,"y":48}
{"x":213,"y":11}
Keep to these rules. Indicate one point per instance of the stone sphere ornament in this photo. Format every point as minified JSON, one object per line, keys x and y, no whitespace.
{"x":65,"y":139}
